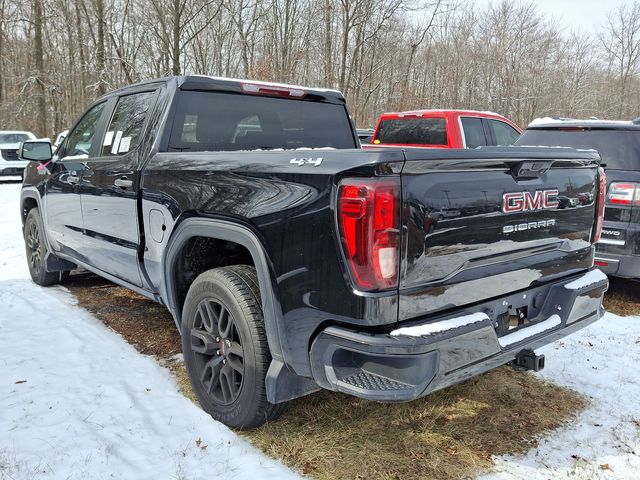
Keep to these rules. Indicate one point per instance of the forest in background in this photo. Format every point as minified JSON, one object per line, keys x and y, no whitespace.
{"x":56,"y":56}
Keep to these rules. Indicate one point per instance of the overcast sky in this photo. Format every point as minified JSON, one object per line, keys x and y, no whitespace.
{"x":584,"y":15}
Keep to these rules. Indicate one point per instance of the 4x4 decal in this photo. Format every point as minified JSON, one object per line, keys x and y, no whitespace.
{"x":306,"y":161}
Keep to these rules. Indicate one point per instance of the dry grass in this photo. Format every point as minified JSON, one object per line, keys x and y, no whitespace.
{"x":623,"y":297}
{"x":448,"y":435}
{"x":146,"y":325}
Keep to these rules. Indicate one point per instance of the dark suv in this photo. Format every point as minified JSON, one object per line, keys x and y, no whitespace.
{"x":618,"y":142}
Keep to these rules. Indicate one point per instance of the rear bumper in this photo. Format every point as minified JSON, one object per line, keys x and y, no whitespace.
{"x":425,"y":356}
{"x":618,"y":252}
{"x":13,"y":167}
{"x":11,"y":171}
{"x":625,"y":266}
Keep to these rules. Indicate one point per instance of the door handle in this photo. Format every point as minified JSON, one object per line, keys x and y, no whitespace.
{"x":123,"y":183}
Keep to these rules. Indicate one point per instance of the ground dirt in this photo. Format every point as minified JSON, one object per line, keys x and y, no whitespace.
{"x":623,"y":297}
{"x":450,"y":434}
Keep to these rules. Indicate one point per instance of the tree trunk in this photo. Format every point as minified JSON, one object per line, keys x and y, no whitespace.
{"x":2,"y":13}
{"x":100,"y":55}
{"x":328,"y":44}
{"x":175,"y":47}
{"x":80,"y":37}
{"x":39,"y":73}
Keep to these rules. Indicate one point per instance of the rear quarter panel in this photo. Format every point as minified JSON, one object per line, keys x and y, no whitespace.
{"x":290,"y":209}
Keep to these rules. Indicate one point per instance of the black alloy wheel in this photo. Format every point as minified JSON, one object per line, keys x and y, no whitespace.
{"x":34,"y":247}
{"x":218,"y":351}
{"x":225,"y":347}
{"x":36,"y":250}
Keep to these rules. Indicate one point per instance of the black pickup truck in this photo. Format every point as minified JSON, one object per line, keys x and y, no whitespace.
{"x":292,"y":260}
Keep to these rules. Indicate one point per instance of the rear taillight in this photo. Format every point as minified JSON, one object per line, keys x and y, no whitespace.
{"x":602,"y":189}
{"x":623,"y":193}
{"x":369,"y":223}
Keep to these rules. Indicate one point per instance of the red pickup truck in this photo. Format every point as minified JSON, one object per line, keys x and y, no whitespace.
{"x":444,"y":129}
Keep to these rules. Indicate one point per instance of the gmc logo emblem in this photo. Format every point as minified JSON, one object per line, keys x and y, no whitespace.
{"x":527,"y":202}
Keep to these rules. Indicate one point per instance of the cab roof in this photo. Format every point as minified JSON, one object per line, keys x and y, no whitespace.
{"x":233,"y":85}
{"x":548,"y":123}
{"x":444,"y":111}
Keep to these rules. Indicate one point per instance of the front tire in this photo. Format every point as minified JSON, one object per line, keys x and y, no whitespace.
{"x":36,"y":248}
{"x":225,"y":347}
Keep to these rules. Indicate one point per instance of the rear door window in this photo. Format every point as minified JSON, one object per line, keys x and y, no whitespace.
{"x":619,"y":149}
{"x":413,"y":131}
{"x":211,"y":121}
{"x":473,"y":131}
{"x":125,"y":128}
{"x":503,"y":133}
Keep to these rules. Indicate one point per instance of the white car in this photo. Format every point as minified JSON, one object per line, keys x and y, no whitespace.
{"x":10,"y":164}
{"x":59,"y":139}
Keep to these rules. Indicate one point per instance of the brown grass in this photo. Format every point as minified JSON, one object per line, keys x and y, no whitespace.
{"x":623,"y":297}
{"x":448,"y":435}
{"x":146,"y":325}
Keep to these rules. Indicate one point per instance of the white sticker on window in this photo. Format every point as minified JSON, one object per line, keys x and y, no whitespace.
{"x":125,"y":143}
{"x":116,"y":143}
{"x":108,"y":138}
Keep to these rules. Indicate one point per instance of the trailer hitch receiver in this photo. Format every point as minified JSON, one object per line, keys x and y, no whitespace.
{"x":527,"y":360}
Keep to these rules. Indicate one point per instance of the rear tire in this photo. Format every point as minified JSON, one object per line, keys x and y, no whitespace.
{"x":36,"y":248}
{"x":225,"y":347}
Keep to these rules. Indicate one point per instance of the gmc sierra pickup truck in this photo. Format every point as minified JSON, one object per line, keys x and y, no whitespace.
{"x":292,"y":260}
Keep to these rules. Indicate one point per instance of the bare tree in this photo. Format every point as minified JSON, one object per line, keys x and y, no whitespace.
{"x":58,"y":55}
{"x":621,"y":42}
{"x":38,"y":74}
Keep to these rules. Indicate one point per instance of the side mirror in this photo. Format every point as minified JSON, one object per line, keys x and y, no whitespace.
{"x":36,"y":150}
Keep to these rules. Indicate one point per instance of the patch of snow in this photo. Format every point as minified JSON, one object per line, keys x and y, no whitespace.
{"x":462,"y":112}
{"x":79,"y":402}
{"x":178,"y":357}
{"x":594,"y":276}
{"x":554,"y":147}
{"x":315,"y":148}
{"x":268,"y":84}
{"x":441,"y":326}
{"x":268,"y":150}
{"x":556,"y":121}
{"x":601,"y":362}
{"x":552,"y":322}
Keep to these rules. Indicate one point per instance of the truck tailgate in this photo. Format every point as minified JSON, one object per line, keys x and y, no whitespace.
{"x":479,"y":224}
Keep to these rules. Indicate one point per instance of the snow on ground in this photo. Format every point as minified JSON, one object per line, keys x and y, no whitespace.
{"x":78,"y":402}
{"x":601,"y":362}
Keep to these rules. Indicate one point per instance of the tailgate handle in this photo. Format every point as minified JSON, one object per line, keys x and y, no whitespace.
{"x":529,"y":169}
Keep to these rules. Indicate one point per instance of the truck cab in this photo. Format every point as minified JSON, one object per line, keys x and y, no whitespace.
{"x":445,"y":129}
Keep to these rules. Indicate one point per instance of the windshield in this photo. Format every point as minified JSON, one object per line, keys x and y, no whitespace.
{"x":14,"y":137}
{"x":413,"y":131}
{"x":619,"y":149}
{"x":209,"y":121}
